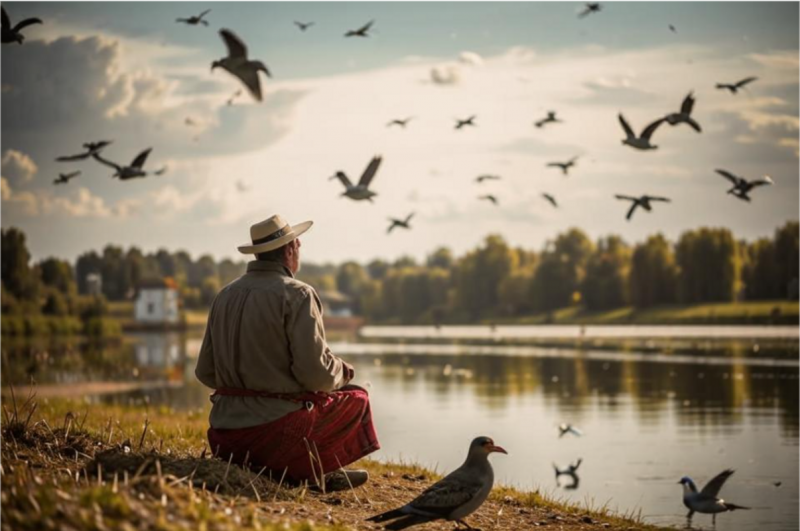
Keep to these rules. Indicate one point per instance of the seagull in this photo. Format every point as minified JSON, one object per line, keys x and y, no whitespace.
{"x":643,"y":201}
{"x":361,"y":190}
{"x":733,"y":87}
{"x":237,"y":64}
{"x":563,"y":429}
{"x":480,"y":178}
{"x":92,"y":148}
{"x":468,"y":121}
{"x":195,"y":20}
{"x":565,"y":166}
{"x":706,"y":501}
{"x":593,"y":7}
{"x":453,"y":498}
{"x":685,"y":115}
{"x":64,"y":178}
{"x":741,"y":186}
{"x":303,"y":25}
{"x":550,"y":118}
{"x":9,"y":34}
{"x":360,"y":32}
{"x":571,"y":471}
{"x":551,"y":199}
{"x":642,"y":142}
{"x":400,"y":223}
{"x":127,"y":172}
{"x":401,"y":123}
{"x":234,"y":96}
{"x":489,"y":197}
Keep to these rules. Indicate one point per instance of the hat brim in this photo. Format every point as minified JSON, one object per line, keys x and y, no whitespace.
{"x":293,"y":234}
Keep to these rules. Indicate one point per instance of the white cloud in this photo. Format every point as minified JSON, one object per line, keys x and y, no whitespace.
{"x":18,"y":167}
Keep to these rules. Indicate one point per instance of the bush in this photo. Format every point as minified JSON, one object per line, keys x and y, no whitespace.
{"x":100,"y":327}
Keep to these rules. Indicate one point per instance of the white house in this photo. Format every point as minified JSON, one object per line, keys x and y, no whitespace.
{"x":157,"y":302}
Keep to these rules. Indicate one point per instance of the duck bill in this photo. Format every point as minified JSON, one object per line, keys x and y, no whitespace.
{"x":498,"y":449}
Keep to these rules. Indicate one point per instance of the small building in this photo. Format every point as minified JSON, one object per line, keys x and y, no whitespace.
{"x":335,"y":303}
{"x":157,"y":302}
{"x":94,"y":284}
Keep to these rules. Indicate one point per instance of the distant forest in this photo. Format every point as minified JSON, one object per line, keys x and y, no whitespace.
{"x":493,"y":281}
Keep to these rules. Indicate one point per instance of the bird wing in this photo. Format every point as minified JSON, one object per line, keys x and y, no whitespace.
{"x":73,"y":174}
{"x":694,"y":125}
{"x":761,"y":182}
{"x":204,"y":13}
{"x":138,"y":162}
{"x":554,"y":165}
{"x":632,"y":209}
{"x":101,"y":160}
{"x":343,"y":178}
{"x":650,"y":129}
{"x":713,"y":487}
{"x":409,"y":217}
{"x":250,"y":79}
{"x":6,"y":22}
{"x":728,"y":175}
{"x":261,"y":67}
{"x":745,"y":81}
{"x":688,"y":104}
{"x":657,"y":198}
{"x":393,"y":225}
{"x":585,"y":12}
{"x":629,"y":198}
{"x":448,"y":494}
{"x":366,"y":27}
{"x":628,"y":131}
{"x":69,"y":158}
{"x":27,"y":22}
{"x":369,"y":173}
{"x":236,"y":48}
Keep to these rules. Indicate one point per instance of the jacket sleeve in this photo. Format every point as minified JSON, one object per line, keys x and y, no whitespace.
{"x":205,"y":370}
{"x":313,"y":363}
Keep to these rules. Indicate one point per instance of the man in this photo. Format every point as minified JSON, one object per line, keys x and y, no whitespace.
{"x":281,"y":397}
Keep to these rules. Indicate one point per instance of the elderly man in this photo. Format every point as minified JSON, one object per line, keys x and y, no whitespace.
{"x":282,"y":398}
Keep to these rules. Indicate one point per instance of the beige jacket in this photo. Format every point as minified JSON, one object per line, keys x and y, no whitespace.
{"x":265,"y":333}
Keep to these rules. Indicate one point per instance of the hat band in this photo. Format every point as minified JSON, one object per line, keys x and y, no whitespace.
{"x":274,"y":236}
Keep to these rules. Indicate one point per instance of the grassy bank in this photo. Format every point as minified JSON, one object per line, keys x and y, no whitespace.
{"x":71,"y":465}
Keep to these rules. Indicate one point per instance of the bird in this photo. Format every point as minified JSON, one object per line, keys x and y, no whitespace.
{"x":643,"y":141}
{"x":454,"y":497}
{"x":642,"y":201}
{"x":571,"y":471}
{"x":550,"y":118}
{"x":468,"y":121}
{"x":127,"y":172}
{"x":684,"y":117}
{"x":401,"y":123}
{"x":672,"y":29}
{"x":242,"y":186}
{"x":400,"y":223}
{"x":551,"y":199}
{"x":64,"y":178}
{"x":189,"y":121}
{"x":489,"y":197}
{"x":592,"y":7}
{"x":234,"y":96}
{"x":303,"y":25}
{"x":706,"y":501}
{"x":777,"y":484}
{"x":92,"y":148}
{"x":9,"y":34}
{"x":734,"y":87}
{"x":237,"y":63}
{"x":361,"y":190}
{"x":360,"y":32}
{"x":486,"y":177}
{"x":195,"y":20}
{"x":741,"y":186}
{"x":565,"y":166}
{"x":564,"y":429}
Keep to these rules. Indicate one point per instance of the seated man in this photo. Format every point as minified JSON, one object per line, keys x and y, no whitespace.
{"x":281,"y":397}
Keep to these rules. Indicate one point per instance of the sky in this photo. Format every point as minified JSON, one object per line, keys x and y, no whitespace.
{"x":127,"y":72}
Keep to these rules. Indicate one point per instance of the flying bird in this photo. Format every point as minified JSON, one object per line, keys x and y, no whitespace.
{"x":706,"y":500}
{"x":486,"y":177}
{"x":92,"y":148}
{"x":64,"y":178}
{"x":571,"y":471}
{"x":643,"y":141}
{"x":360,"y":32}
{"x":237,"y":63}
{"x":303,"y":25}
{"x":551,"y":199}
{"x":402,"y":223}
{"x":453,"y":498}
{"x":468,"y":121}
{"x":734,"y":87}
{"x":643,"y":201}
{"x":9,"y":34}
{"x":672,"y":29}
{"x":741,"y":186}
{"x":489,"y":197}
{"x":361,"y":190}
{"x":565,"y":166}
{"x":684,"y":116}
{"x":131,"y":171}
{"x":592,"y":7}
{"x":195,"y":20}
{"x":564,"y":429}
{"x":401,"y":123}
{"x":550,"y":118}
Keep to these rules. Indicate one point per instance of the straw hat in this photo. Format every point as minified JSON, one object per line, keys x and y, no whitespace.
{"x":272,"y":233}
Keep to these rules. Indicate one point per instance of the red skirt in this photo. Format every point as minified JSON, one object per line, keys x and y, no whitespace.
{"x":331,"y":431}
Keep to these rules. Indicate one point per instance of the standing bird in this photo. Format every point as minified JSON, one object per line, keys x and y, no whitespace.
{"x":64,"y":178}
{"x":549,"y":119}
{"x":453,"y":498}
{"x":643,"y":141}
{"x":195,"y":20}
{"x":551,"y":199}
{"x":400,"y":223}
{"x":401,"y":123}
{"x":360,"y":32}
{"x":480,"y":178}
{"x":741,"y":186}
{"x":643,"y":201}
{"x":361,"y":190}
{"x":303,"y":25}
{"x":706,"y":501}
{"x":127,"y":172}
{"x":237,"y":64}
{"x":489,"y":197}
{"x":468,"y":121}
{"x":565,"y":166}
{"x":734,"y":87}
{"x":592,"y":7}
{"x":92,"y":148}
{"x":564,"y":429}
{"x":9,"y":34}
{"x":684,"y":117}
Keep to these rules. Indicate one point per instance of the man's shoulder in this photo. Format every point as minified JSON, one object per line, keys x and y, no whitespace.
{"x":298,"y":287}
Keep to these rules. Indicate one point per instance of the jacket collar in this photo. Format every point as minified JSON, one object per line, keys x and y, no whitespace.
{"x":262,"y":265}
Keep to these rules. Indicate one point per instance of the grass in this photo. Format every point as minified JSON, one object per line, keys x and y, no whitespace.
{"x":75,"y":465}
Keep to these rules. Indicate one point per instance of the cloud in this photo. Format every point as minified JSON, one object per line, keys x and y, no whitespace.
{"x":470,"y":58}
{"x":446,"y":75}
{"x":25,"y":200}
{"x":18,"y":167}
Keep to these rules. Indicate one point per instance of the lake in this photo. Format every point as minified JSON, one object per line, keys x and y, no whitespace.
{"x":653,"y":404}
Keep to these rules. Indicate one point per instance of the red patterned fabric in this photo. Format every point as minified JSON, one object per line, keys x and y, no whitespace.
{"x":338,"y":426}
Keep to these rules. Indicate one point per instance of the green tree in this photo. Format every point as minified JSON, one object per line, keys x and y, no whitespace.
{"x":561,"y":270}
{"x":350,"y":280}
{"x":654,"y":274}
{"x":377,"y":269}
{"x":606,"y":283}
{"x":709,"y":266}
{"x":87,"y":263}
{"x":787,"y":252}
{"x":479,"y":276}
{"x":18,"y":277}
{"x":759,"y":270}
{"x":442,"y":258}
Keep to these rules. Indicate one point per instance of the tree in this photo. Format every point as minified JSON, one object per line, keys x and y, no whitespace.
{"x":116,"y":284}
{"x":654,"y":275}
{"x":561,"y":270}
{"x":759,"y":270}
{"x":230,"y":271}
{"x":88,"y":263}
{"x":479,"y":275}
{"x":58,"y":274}
{"x":709,"y":266}
{"x":606,"y":283}
{"x":377,"y":269}
{"x":18,"y":277}
{"x":441,"y":257}
{"x":350,"y":280}
{"x":787,"y":252}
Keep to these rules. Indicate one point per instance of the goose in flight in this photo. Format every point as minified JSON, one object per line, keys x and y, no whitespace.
{"x":401,"y":123}
{"x":549,"y":119}
{"x":643,"y":201}
{"x":489,"y":197}
{"x":706,"y":501}
{"x":131,"y":171}
{"x":741,"y":186}
{"x":360,"y":32}
{"x":237,"y":63}
{"x":486,"y":177}
{"x":303,"y":25}
{"x":564,"y":429}
{"x":10,"y":34}
{"x":592,"y":7}
{"x":550,"y":199}
{"x":92,"y":148}
{"x":468,"y":121}
{"x":402,"y":223}
{"x":361,"y":190}
{"x":643,"y":141}
{"x":684,"y":117}
{"x":64,"y":178}
{"x":565,"y":166}
{"x":734,"y":87}
{"x":195,"y":20}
